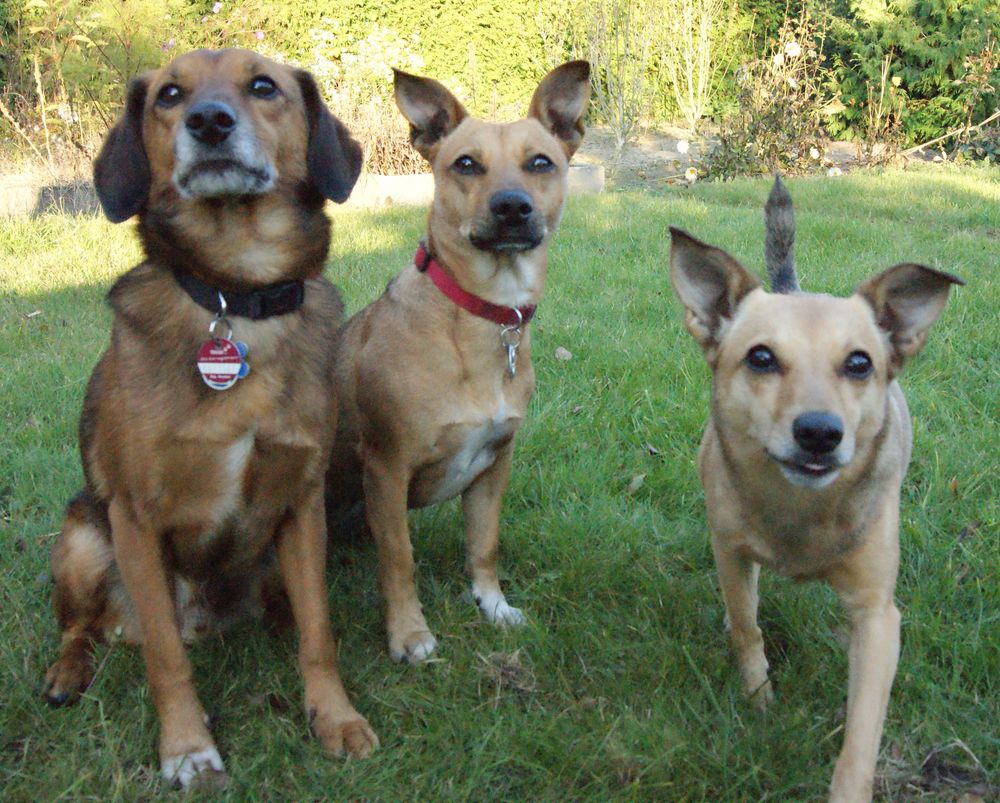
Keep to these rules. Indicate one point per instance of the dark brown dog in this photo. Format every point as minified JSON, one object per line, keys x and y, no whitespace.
{"x":200,"y":504}
{"x":432,"y":386}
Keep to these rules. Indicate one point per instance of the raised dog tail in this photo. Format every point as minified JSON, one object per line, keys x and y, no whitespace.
{"x":779,"y":239}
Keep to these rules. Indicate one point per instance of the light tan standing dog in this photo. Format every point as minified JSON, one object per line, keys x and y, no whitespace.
{"x":805,"y":450}
{"x":204,"y":499}
{"x":435,"y":376}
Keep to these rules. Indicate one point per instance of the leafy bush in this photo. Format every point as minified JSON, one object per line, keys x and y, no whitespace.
{"x":618,"y":38}
{"x":698,"y":44}
{"x":65,"y":67}
{"x":881,"y":124}
{"x":897,"y":70}
{"x":485,"y":50}
{"x":981,"y":145}
{"x":939,"y":49}
{"x":777,"y":124}
{"x":357,"y":81}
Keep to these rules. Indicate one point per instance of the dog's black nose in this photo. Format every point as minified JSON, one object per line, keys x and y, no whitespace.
{"x":511,"y":207}
{"x":818,"y":432}
{"x":210,"y":121}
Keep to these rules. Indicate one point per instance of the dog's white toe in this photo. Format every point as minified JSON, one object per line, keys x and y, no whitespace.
{"x":494,"y":606}
{"x":185,"y":768}
{"x":415,"y":648}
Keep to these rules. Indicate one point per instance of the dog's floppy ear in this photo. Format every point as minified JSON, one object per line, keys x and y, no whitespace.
{"x":906,"y":300}
{"x":431,"y":110}
{"x":121,"y":170}
{"x":334,"y":158}
{"x":560,"y":103}
{"x":710,"y":285}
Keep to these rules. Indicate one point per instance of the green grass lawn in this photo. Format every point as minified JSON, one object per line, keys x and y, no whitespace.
{"x":622,"y":686}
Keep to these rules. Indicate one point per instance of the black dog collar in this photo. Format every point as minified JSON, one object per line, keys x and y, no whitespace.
{"x":263,"y":302}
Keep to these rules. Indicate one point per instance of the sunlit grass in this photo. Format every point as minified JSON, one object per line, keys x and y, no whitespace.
{"x":633,"y":694}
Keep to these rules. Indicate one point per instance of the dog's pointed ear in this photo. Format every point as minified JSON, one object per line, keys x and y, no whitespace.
{"x":560,"y":103}
{"x":430,"y":109}
{"x":710,"y":285}
{"x":121,"y":169}
{"x":333,"y":158}
{"x":907,"y":299}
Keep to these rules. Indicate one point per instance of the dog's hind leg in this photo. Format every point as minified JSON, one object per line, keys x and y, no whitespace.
{"x":738,"y":578}
{"x":481,"y":503}
{"x":83,"y":568}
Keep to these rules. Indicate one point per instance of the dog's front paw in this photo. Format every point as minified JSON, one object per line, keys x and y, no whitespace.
{"x":760,"y":695}
{"x":349,"y":736}
{"x":753,"y":670}
{"x":70,"y":675}
{"x":412,"y":648}
{"x":494,"y":606}
{"x":850,"y":783}
{"x":202,"y":768}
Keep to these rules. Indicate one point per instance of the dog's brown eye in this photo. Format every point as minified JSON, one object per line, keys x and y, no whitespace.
{"x":467,"y":166}
{"x":858,"y":365}
{"x":540,"y":163}
{"x":262,"y":87}
{"x":169,"y":95}
{"x":762,"y":360}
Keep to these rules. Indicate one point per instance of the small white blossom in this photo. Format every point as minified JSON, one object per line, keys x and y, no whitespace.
{"x":792,"y":50}
{"x":833,"y":172}
{"x":779,"y":59}
{"x":896,"y":80}
{"x":683,"y":146}
{"x":814,"y":152}
{"x":691,"y":175}
{"x":793,"y":83}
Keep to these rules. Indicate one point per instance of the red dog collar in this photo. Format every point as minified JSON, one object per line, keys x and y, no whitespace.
{"x":505,"y":316}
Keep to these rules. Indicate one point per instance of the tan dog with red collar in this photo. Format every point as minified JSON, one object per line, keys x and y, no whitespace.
{"x":435,"y":376}
{"x":806,"y":447}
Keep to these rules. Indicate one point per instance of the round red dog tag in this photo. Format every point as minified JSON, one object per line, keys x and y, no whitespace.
{"x":219,"y":361}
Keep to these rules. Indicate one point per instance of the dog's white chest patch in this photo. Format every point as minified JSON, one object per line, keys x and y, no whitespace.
{"x":519,"y":285}
{"x":233,"y":465}
{"x":476,"y":453}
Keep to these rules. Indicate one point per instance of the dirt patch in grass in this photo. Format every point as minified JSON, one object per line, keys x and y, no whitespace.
{"x":948,"y":773}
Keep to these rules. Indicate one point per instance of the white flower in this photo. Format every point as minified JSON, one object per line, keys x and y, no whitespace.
{"x":683,"y":146}
{"x":793,"y":83}
{"x":792,"y":50}
{"x":814,"y":152}
{"x":833,"y":172}
{"x":691,"y":175}
{"x":779,"y":59}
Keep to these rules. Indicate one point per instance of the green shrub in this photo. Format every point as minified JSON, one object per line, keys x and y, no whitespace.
{"x":937,"y":48}
{"x":777,"y":122}
{"x":65,"y":67}
{"x":64,"y":63}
